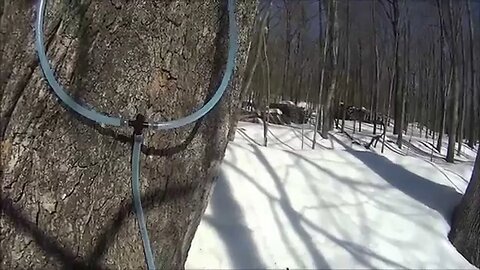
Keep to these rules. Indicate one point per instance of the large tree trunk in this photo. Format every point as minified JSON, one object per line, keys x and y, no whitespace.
{"x":66,"y":195}
{"x":465,"y":233}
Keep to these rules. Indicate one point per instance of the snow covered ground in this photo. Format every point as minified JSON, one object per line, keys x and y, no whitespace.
{"x":338,"y":206}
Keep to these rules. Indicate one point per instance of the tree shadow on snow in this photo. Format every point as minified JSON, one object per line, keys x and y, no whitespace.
{"x":299,"y":135}
{"x":228,"y":220}
{"x":246,"y":137}
{"x":300,"y":222}
{"x":440,"y":198}
{"x":272,"y":199}
{"x":293,"y":216}
{"x":280,"y":141}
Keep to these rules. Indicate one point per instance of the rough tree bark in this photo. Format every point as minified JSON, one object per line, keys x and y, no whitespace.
{"x":66,"y":195}
{"x":465,"y":232}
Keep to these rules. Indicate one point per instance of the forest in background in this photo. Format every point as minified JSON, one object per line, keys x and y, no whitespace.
{"x":403,"y":63}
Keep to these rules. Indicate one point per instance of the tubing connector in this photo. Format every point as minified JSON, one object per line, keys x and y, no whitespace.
{"x":138,"y":124}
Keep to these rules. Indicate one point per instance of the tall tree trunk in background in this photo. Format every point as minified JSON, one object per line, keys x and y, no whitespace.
{"x":427,"y":89}
{"x":376,"y":80}
{"x":253,"y":55}
{"x":461,"y":111}
{"x":404,"y":89}
{"x":288,"y":41}
{"x":347,"y":85}
{"x":333,"y":24}
{"x":322,"y":74}
{"x":258,"y":52}
{"x":465,"y":232}
{"x":398,"y":94}
{"x":453,"y":94}
{"x":443,"y":78}
{"x":389,"y":106}
{"x":472,"y":103}
{"x":263,"y":101}
{"x":360,"y":84}
{"x":66,"y":194}
{"x":295,"y":69}
{"x":434,"y":89}
{"x":300,"y":56}
{"x":267,"y":79}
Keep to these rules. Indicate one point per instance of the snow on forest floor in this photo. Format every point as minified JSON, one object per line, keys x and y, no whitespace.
{"x":338,"y":206}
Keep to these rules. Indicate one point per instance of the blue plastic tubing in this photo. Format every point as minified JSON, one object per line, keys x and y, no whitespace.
{"x":137,"y":201}
{"x":115,"y":121}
